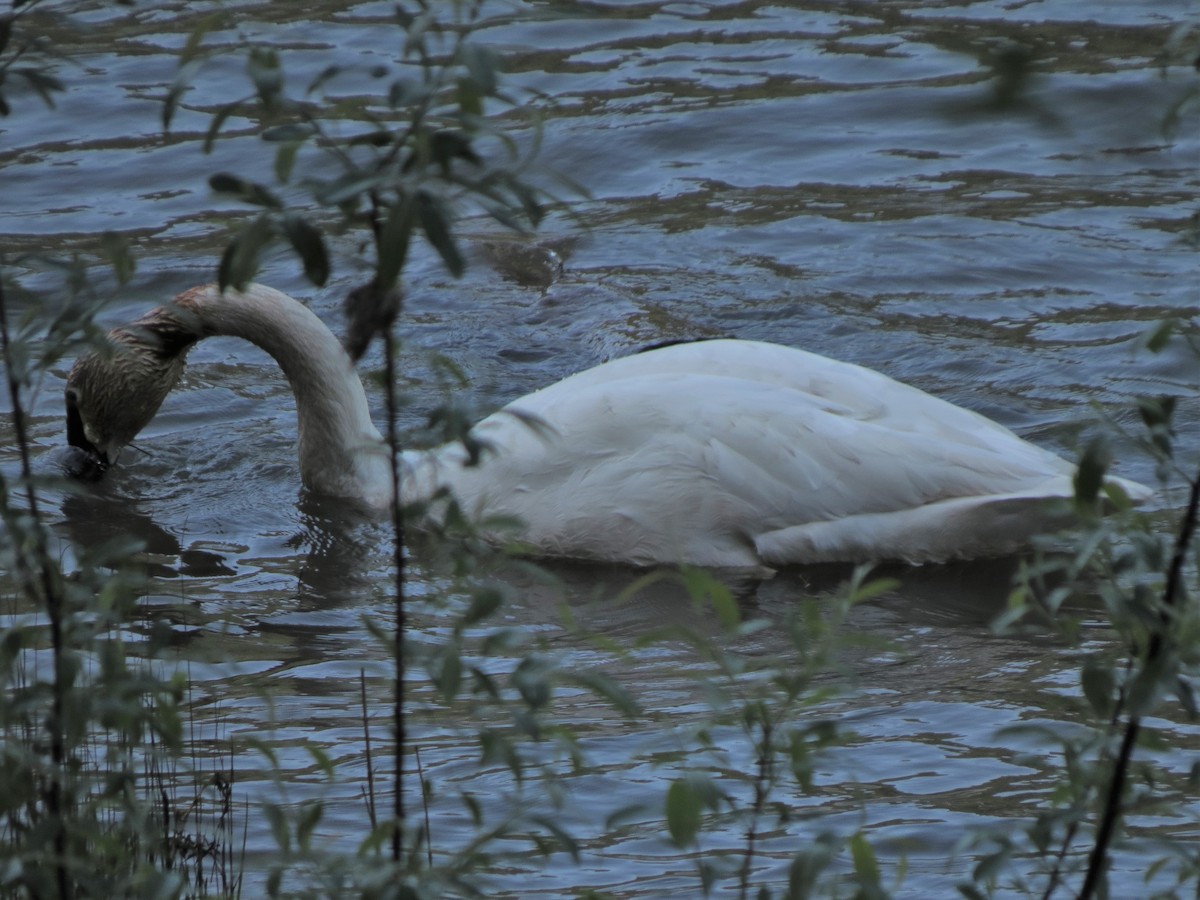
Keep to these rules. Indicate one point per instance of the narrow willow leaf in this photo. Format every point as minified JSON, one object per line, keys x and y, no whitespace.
{"x":470,"y":101}
{"x":1156,"y":411}
{"x":876,"y":587}
{"x":293,"y":131}
{"x":435,"y":223}
{"x":1157,"y":338}
{"x":241,"y":259}
{"x":484,"y":602}
{"x":483,"y":65}
{"x":279,"y":826}
{"x":44,"y":84}
{"x":629,"y":814}
{"x":1186,"y":696}
{"x":531,"y":679}
{"x":349,"y":186}
{"x":266,"y":73}
{"x":865,"y":864}
{"x":171,"y":102}
{"x":246,"y":191}
{"x":446,"y":673}
{"x":218,"y":119}
{"x":325,"y":74}
{"x":564,"y":840}
{"x":701,"y":583}
{"x":1090,"y":474}
{"x":393,"y":242}
{"x":117,"y":252}
{"x":447,"y":145}
{"x":310,"y":816}
{"x":683,"y":812}
{"x":285,"y":161}
{"x":606,"y":688}
{"x":310,"y":246}
{"x":1096,"y":678}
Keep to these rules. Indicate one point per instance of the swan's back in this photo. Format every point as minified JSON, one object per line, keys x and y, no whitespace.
{"x":739,"y":453}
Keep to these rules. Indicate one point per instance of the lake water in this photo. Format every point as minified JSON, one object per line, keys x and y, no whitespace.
{"x":829,"y":175}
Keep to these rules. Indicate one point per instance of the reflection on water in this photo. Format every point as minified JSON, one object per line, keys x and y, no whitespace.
{"x":826,"y":175}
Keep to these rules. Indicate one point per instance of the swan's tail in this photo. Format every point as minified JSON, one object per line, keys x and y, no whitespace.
{"x":959,"y":528}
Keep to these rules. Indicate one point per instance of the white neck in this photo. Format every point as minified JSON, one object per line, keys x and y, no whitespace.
{"x":341,"y":451}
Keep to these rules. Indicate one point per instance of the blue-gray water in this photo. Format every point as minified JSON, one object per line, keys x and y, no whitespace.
{"x":826,"y":175}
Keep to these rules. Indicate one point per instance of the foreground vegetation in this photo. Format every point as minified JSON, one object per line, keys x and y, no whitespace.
{"x":104,"y":795}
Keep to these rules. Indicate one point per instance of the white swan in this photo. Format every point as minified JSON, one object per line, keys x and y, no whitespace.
{"x":722,"y":453}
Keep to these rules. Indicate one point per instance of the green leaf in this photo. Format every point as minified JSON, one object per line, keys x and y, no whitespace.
{"x":1156,"y":412}
{"x":117,"y":252}
{"x":1159,"y":335}
{"x":605,"y":687}
{"x":564,"y":840}
{"x":484,"y":602}
{"x":865,"y":864}
{"x":218,"y":119}
{"x":683,"y":812}
{"x":42,"y":83}
{"x":1090,"y":475}
{"x":435,"y":223}
{"x":285,"y":161}
{"x":310,"y":246}
{"x":321,"y":758}
{"x":350,"y":185}
{"x":483,"y":65}
{"x":241,"y":260}
{"x":279,"y":826}
{"x":325,"y":74}
{"x":470,"y":101}
{"x":293,"y":131}
{"x":247,"y":191}
{"x":171,"y":102}
{"x":446,"y":145}
{"x":1186,"y":696}
{"x":310,"y":815}
{"x":393,"y":242}
{"x":445,"y":671}
{"x":869,"y":590}
{"x":701,"y":583}
{"x":531,"y":679}
{"x":266,"y":73}
{"x":1096,"y":678}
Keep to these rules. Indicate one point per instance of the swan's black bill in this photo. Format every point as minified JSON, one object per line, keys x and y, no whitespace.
{"x":81,"y":459}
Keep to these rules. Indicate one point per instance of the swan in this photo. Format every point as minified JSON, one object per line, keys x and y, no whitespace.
{"x":719,"y":453}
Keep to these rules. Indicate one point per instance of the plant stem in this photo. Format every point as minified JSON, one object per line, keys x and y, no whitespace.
{"x":51,"y":598}
{"x":1098,"y":859}
{"x":762,"y":785}
{"x":400,"y":612}
{"x":362,"y":689}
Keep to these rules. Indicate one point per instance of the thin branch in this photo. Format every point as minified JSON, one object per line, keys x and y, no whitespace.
{"x":400,"y":611}
{"x":52,"y":600}
{"x":1098,"y":858}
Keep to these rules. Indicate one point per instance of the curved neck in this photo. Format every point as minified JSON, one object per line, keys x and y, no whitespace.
{"x":341,"y":451}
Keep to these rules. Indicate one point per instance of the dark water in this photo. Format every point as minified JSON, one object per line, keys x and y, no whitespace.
{"x":833,"y":176}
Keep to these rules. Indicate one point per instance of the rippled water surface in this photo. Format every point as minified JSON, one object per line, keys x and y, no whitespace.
{"x":831,"y":175}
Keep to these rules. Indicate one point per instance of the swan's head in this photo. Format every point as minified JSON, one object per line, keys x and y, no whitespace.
{"x":113,"y":392}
